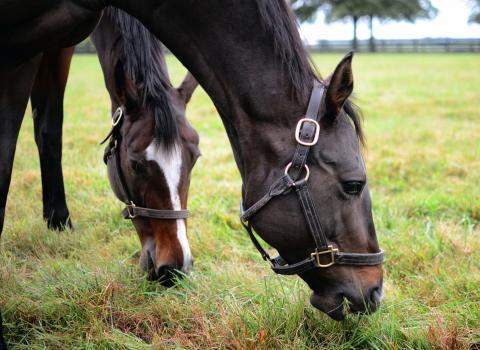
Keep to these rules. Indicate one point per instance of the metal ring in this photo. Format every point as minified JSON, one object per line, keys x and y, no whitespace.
{"x":130,"y":212}
{"x":287,"y":168}
{"x":117,"y":116}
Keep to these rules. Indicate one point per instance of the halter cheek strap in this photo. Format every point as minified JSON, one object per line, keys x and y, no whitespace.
{"x":325,"y":255}
{"x":113,"y":161}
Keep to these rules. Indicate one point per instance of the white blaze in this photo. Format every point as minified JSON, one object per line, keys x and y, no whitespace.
{"x":170,"y":162}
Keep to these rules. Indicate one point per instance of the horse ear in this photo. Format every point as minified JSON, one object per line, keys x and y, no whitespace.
{"x":187,"y":87}
{"x":339,"y":86}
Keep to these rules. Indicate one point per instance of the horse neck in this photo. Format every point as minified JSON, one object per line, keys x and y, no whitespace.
{"x":233,"y":57}
{"x":105,"y":39}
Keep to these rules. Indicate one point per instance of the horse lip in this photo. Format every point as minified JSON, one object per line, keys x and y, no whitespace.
{"x":336,"y":313}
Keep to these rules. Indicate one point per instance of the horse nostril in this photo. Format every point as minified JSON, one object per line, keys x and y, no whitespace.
{"x":147,"y":265}
{"x":167,"y":275}
{"x":376,"y":296}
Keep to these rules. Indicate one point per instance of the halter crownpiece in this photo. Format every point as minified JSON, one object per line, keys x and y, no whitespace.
{"x":325,"y":255}
{"x":112,"y":159}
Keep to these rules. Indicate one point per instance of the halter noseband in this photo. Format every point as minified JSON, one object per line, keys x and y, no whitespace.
{"x":325,"y":255}
{"x":112,"y":159}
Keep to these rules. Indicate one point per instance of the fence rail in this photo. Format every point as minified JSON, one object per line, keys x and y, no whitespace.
{"x":417,"y":45}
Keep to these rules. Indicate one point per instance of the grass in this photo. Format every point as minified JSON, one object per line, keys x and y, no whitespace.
{"x":83,"y":289}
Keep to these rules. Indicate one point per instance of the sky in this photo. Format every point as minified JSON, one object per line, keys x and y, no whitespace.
{"x":451,"y":22}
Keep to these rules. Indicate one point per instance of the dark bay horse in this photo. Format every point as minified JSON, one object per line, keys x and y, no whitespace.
{"x":249,"y":58}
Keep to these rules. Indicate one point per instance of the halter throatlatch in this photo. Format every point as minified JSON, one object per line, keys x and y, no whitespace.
{"x":325,"y":255}
{"x":112,"y":159}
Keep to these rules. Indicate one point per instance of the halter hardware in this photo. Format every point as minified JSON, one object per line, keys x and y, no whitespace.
{"x":112,"y":160}
{"x":117,"y":116}
{"x":299,"y":129}
{"x":130,"y":210}
{"x":330,"y":251}
{"x":305,"y":179}
{"x":323,"y":250}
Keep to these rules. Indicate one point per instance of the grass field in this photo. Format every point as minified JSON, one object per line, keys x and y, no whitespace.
{"x":83,"y":289}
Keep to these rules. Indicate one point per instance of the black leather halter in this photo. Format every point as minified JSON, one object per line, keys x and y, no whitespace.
{"x":325,"y":254}
{"x":113,"y":162}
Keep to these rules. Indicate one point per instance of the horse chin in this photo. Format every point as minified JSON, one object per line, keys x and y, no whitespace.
{"x":331,"y":306}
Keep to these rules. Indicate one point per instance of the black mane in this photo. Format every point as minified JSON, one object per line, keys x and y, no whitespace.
{"x":355,"y":114}
{"x":144,"y":64}
{"x":280,"y":22}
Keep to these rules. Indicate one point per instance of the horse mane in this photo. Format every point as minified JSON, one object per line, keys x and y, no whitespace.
{"x":280,"y":22}
{"x":355,"y":114}
{"x":144,"y":63}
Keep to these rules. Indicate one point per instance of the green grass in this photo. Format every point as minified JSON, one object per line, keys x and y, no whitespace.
{"x":83,"y":289}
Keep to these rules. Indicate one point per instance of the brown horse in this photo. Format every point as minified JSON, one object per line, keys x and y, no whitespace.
{"x":249,"y":58}
{"x":160,"y":145}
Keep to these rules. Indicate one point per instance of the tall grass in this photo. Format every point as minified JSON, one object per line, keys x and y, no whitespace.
{"x":82,"y":289}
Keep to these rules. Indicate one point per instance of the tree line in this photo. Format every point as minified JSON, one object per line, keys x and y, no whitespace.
{"x":356,"y":10}
{"x":475,"y":16}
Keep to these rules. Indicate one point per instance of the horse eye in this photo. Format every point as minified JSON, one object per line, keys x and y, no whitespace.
{"x":353,"y":188}
{"x":138,"y":166}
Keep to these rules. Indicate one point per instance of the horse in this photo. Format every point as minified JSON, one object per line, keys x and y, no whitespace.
{"x":152,"y":121}
{"x":159,"y":148}
{"x":249,"y":58}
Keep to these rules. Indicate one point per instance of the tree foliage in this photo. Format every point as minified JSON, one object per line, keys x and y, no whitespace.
{"x":306,"y":10}
{"x":354,"y":10}
{"x":408,"y":10}
{"x":475,"y":16}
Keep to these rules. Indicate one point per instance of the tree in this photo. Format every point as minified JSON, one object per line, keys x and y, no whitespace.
{"x":401,"y":10}
{"x":354,"y":10}
{"x":306,"y":10}
{"x":337,"y":10}
{"x":475,"y":16}
{"x":351,"y":10}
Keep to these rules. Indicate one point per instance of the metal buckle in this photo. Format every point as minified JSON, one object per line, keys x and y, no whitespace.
{"x":299,"y":126}
{"x":307,"y":175}
{"x":130,"y":207}
{"x":117,"y":116}
{"x":331,"y":251}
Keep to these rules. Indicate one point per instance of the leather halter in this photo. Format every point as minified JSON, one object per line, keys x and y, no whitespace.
{"x":325,"y":254}
{"x":112,"y":159}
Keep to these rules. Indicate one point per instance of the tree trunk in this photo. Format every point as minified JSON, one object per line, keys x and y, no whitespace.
{"x":371,"y":43}
{"x":355,"y":39}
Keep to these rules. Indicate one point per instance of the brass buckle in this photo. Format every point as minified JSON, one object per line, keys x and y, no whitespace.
{"x":117,"y":116}
{"x":331,"y":251}
{"x":299,"y":126}
{"x":130,"y":207}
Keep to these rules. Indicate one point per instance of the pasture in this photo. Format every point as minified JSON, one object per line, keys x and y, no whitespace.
{"x":83,"y":288}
